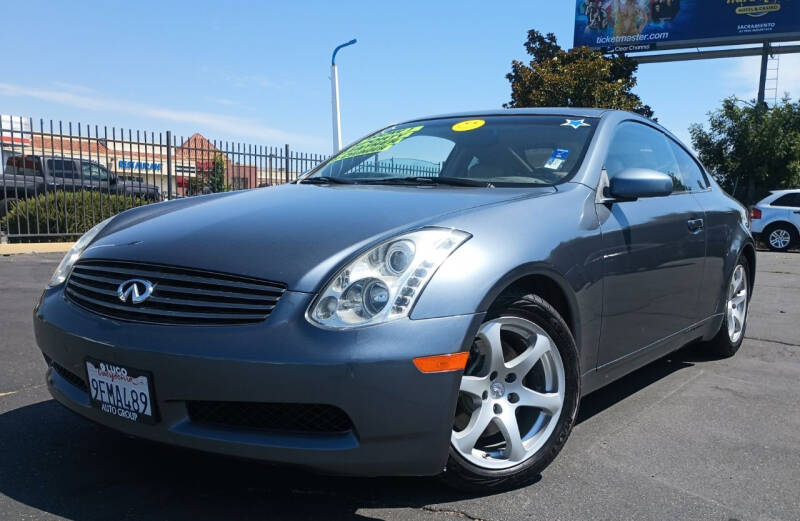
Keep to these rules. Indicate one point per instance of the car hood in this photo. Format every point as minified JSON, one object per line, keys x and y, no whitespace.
{"x":295,"y":234}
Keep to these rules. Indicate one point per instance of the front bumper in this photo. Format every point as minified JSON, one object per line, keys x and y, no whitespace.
{"x":401,"y":418}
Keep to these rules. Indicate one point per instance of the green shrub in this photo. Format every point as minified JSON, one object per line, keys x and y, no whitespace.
{"x":62,"y":213}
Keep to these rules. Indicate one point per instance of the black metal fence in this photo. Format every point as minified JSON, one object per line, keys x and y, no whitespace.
{"x":59,"y":179}
{"x":396,"y":168}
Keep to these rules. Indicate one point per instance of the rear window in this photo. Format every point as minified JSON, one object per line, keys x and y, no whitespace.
{"x":22,"y":165}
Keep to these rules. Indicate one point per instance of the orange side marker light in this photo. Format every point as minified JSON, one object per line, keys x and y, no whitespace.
{"x":442,"y":363}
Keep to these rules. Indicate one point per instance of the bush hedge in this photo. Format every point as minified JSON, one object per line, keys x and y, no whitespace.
{"x":62,"y":213}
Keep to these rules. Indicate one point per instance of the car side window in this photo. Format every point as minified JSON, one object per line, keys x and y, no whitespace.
{"x":788,"y":200}
{"x":94,"y":171}
{"x":635,"y":145}
{"x":63,"y":168}
{"x":691,"y":175}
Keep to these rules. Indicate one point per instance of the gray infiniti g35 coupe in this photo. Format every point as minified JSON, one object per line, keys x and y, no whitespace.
{"x":435,"y":299}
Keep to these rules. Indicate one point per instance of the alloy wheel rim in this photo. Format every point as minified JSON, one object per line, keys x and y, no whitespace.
{"x":514,"y":386}
{"x":779,"y":238}
{"x":737,"y":304}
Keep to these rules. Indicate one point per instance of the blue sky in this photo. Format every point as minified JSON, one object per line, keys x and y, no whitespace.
{"x":258,"y":72}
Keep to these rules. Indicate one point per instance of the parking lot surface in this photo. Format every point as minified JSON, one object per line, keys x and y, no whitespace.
{"x":687,"y":437}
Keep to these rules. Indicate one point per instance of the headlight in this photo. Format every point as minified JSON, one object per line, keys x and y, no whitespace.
{"x":383,"y":283}
{"x":74,"y":253}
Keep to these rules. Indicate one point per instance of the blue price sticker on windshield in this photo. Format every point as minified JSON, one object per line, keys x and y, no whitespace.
{"x":557,"y":158}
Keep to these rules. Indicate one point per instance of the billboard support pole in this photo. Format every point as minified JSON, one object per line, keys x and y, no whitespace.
{"x":762,"y":81}
{"x":711,"y":55}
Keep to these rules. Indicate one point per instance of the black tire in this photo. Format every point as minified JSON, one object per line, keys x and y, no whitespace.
{"x":785,"y":228}
{"x":721,"y":345}
{"x":464,"y":475}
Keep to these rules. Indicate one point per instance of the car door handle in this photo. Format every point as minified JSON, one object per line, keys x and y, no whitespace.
{"x":797,"y":212}
{"x":695,"y":225}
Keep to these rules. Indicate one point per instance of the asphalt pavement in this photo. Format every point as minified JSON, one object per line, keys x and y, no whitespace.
{"x":687,"y":437}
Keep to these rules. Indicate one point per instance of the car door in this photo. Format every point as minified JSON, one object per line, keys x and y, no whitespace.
{"x":779,"y":209}
{"x":653,"y":250}
{"x":791,"y":203}
{"x":95,"y":177}
{"x":718,"y":221}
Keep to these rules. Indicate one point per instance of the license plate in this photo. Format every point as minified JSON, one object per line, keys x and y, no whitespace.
{"x":121,"y":391}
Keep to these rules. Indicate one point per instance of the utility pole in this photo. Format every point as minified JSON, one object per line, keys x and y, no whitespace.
{"x":337,"y":124}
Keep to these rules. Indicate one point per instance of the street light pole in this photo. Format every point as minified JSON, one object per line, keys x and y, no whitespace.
{"x":337,"y":124}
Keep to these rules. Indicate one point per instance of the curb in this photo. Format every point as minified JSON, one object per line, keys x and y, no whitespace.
{"x":35,"y":247}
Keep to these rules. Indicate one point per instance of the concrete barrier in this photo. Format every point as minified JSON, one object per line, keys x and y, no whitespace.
{"x":35,"y":247}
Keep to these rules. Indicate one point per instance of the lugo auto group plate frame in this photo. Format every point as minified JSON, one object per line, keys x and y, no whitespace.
{"x":117,"y":410}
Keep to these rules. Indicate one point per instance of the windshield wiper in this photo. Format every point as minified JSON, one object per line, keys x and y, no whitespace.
{"x":325,"y":180}
{"x":412,"y":180}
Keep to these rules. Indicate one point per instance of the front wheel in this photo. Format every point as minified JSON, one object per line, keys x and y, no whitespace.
{"x":518,"y":397}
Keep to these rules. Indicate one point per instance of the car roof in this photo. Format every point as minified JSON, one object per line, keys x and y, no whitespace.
{"x":580,"y":112}
{"x":568,"y":112}
{"x":67,"y":158}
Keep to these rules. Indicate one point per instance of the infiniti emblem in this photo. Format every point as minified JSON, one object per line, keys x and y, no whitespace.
{"x":498,"y":390}
{"x":135,"y":291}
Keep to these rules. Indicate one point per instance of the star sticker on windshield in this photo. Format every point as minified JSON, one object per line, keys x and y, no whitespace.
{"x":575,"y":123}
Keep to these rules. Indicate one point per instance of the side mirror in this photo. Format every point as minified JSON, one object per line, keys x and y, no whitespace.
{"x":633,"y":183}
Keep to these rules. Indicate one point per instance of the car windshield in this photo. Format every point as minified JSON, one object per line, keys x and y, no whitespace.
{"x":483,"y":151}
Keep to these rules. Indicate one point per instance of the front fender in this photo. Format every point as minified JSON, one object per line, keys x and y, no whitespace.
{"x":557,"y":236}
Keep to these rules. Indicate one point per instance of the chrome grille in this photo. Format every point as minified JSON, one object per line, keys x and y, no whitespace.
{"x":180,"y":295}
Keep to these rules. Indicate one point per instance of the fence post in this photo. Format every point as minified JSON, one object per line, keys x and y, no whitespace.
{"x":169,"y":164}
{"x":286,"y":163}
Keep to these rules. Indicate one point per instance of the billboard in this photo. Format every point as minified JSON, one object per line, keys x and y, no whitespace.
{"x":644,"y":25}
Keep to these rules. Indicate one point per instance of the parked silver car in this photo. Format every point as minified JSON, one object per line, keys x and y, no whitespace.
{"x":776,"y":219}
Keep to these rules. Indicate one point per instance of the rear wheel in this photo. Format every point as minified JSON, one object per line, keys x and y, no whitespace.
{"x":780,"y":237}
{"x":737,"y":298}
{"x":518,"y":397}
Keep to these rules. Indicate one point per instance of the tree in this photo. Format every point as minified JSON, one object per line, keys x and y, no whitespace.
{"x":751,"y":148}
{"x":212,"y":182}
{"x":579,"y":77}
{"x":216,"y":179}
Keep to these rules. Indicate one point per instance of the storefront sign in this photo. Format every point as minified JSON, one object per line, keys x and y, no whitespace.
{"x":139,"y":165}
